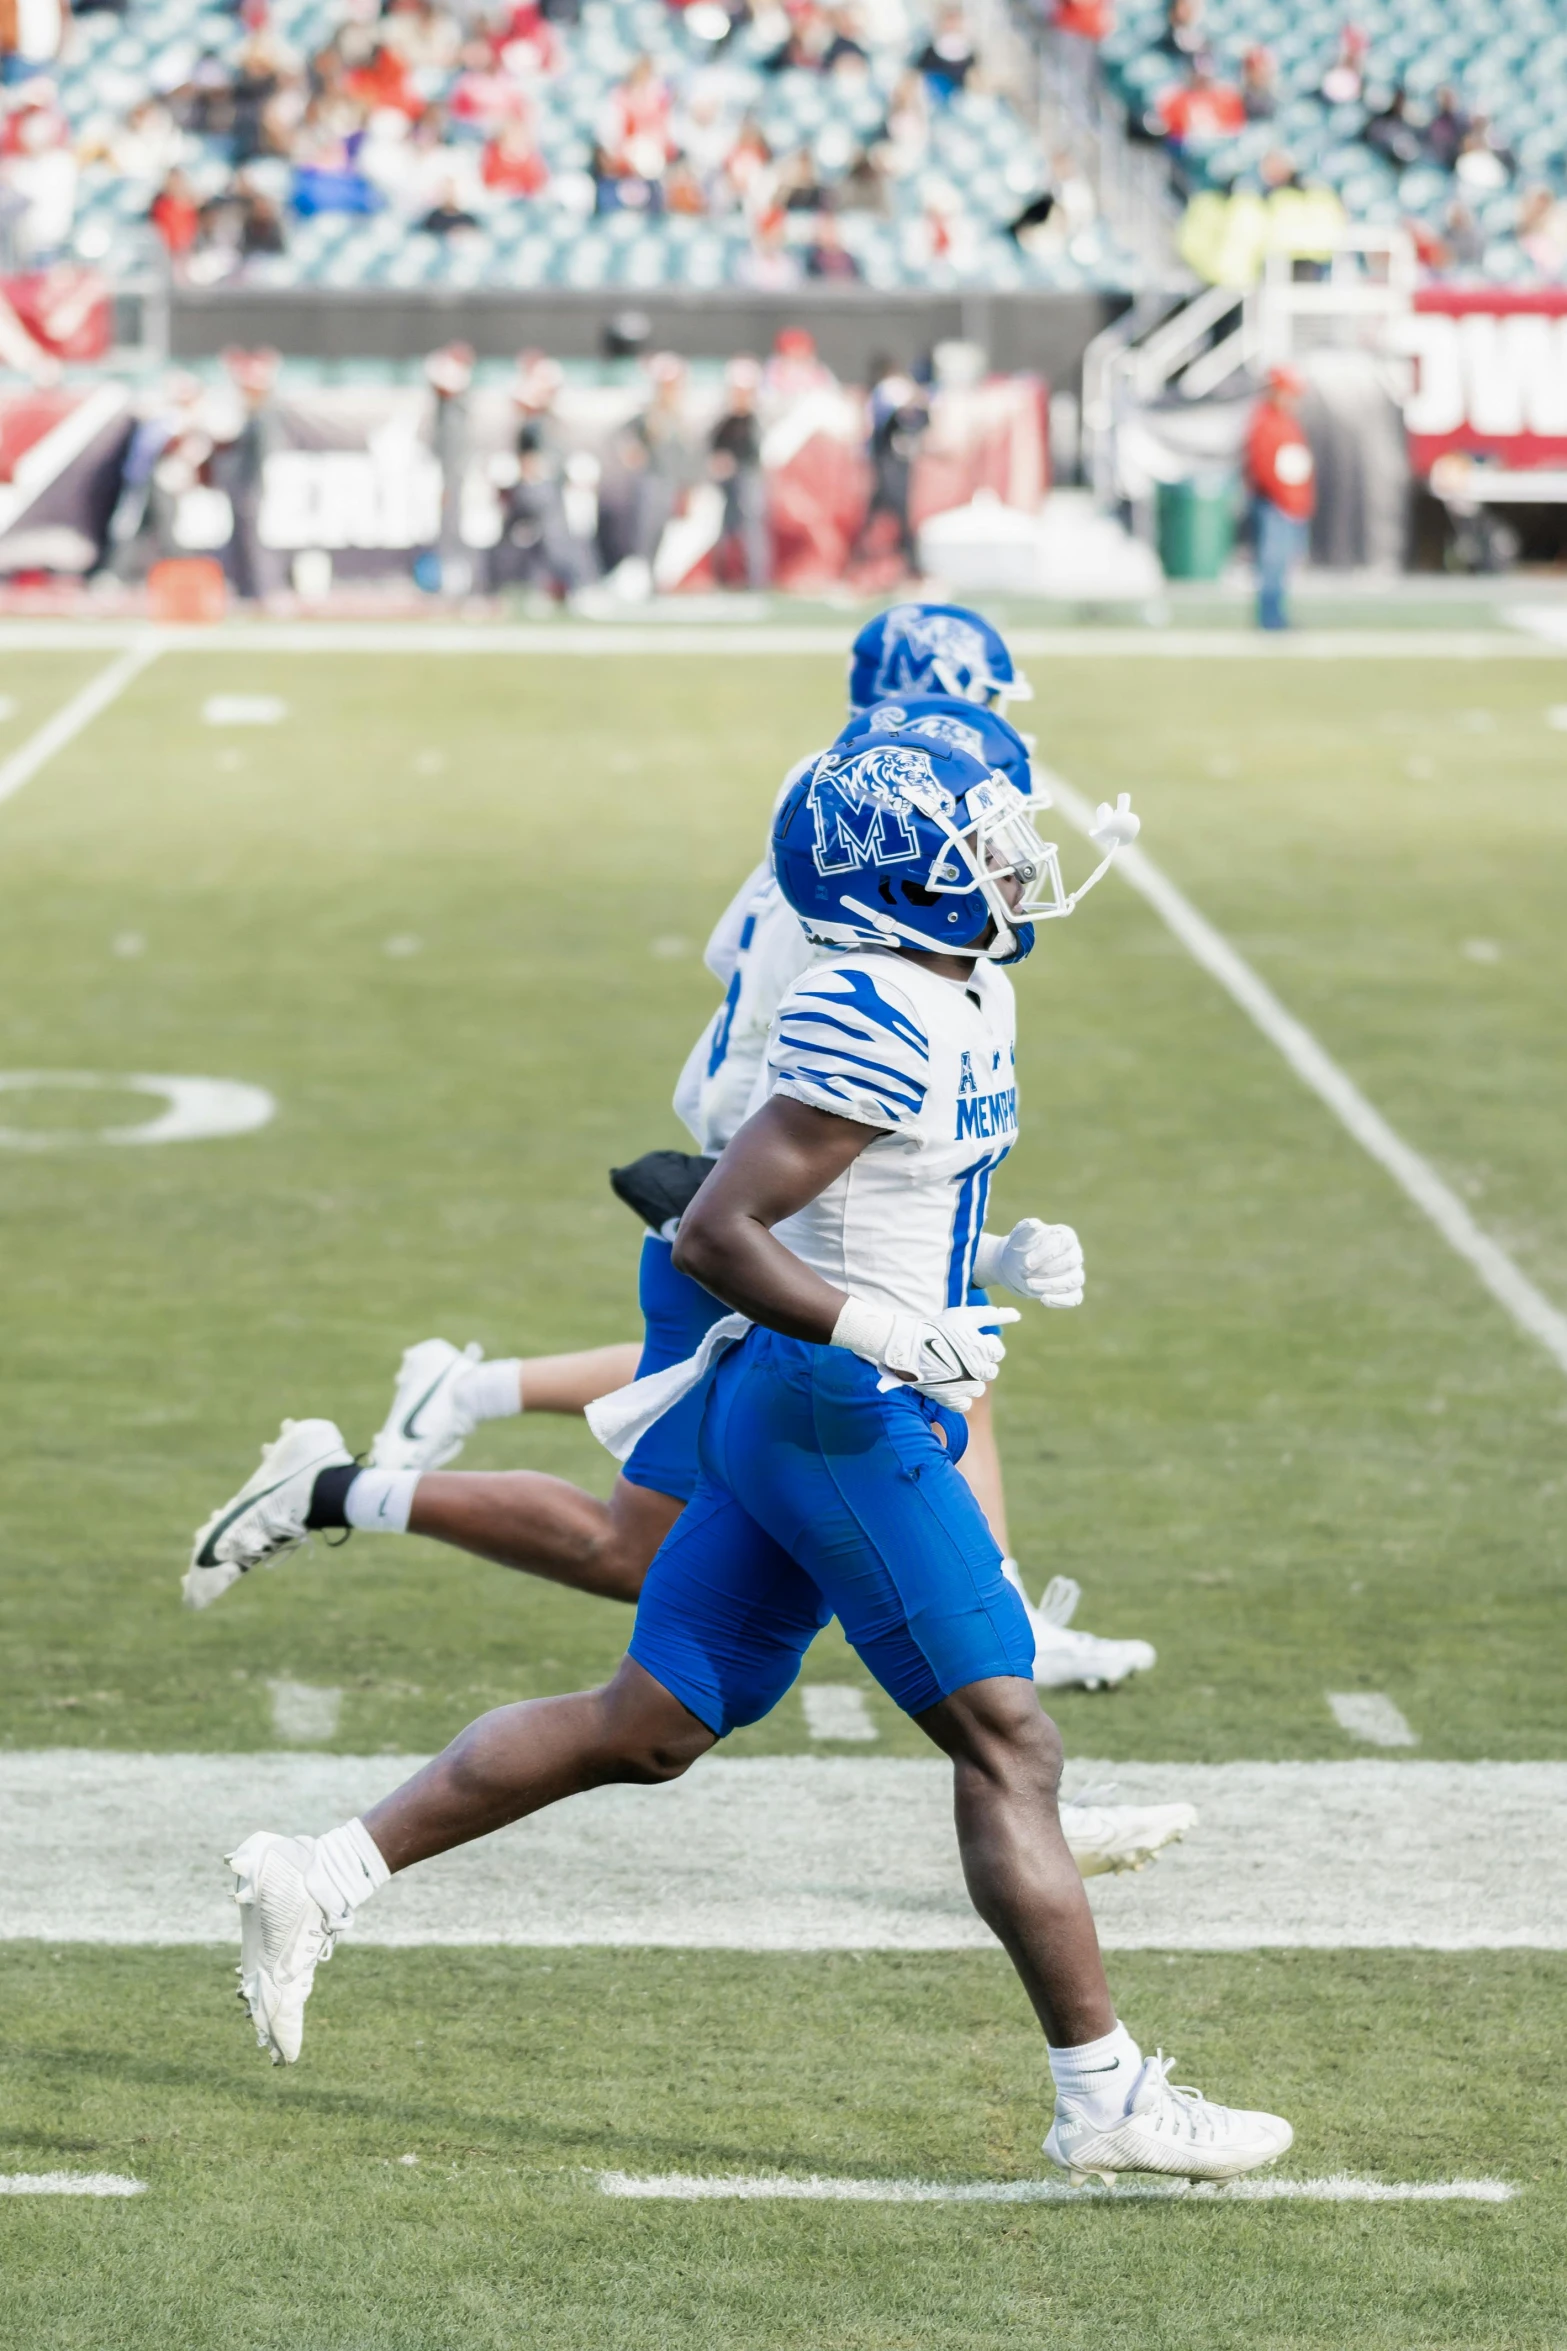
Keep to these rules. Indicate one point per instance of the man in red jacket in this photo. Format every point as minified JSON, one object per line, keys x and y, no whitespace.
{"x":1282,"y":480}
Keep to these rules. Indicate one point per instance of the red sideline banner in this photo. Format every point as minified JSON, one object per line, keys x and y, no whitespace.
{"x":1490,"y":374}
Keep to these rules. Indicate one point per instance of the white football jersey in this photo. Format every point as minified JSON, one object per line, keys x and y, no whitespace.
{"x":756,"y":953}
{"x":932,"y":1063}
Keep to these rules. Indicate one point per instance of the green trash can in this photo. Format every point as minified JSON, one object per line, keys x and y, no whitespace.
{"x":1196,"y":520}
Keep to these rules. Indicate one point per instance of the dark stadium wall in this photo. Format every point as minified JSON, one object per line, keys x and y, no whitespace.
{"x":1044,"y":334}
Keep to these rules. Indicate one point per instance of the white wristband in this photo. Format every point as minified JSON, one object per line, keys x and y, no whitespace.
{"x":987,"y":1259}
{"x":864,"y":1329}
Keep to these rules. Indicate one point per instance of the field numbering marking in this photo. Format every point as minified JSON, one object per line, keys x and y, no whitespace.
{"x":69,"y":2183}
{"x":303,"y":1713}
{"x":1372,"y":1716}
{"x":79,"y":712}
{"x":835,"y":1710}
{"x":1508,"y":1284}
{"x":678,"y":2187}
{"x":243,"y":710}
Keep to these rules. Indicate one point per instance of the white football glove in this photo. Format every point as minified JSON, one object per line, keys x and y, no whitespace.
{"x":1034,"y":1260}
{"x":951,"y":1356}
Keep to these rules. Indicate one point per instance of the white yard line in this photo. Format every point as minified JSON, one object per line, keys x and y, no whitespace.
{"x":680,"y":2187}
{"x":702,"y":638}
{"x":1372,"y":1716}
{"x":69,"y":2183}
{"x":803,"y":1853}
{"x":1436,"y":1200}
{"x":67,"y":723}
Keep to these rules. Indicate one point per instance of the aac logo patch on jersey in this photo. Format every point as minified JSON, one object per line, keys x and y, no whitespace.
{"x":860,"y":809}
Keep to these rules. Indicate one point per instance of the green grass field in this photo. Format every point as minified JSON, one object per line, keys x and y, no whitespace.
{"x":1289,"y":1438}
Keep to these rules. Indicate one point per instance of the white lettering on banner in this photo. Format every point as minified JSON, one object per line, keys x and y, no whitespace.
{"x":383,"y":496}
{"x":1502,"y":374}
{"x":1436,"y":404}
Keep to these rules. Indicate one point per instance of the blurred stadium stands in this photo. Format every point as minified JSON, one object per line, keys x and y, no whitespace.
{"x":308,"y":147}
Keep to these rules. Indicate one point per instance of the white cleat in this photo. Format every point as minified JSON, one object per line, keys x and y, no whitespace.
{"x":1106,"y":1837}
{"x":1064,"y":1659}
{"x":428,"y":1424}
{"x":265,"y":1520}
{"x":1165,"y":2129}
{"x":287,"y":1928}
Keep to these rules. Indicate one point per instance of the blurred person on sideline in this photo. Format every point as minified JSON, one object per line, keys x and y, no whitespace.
{"x":538,"y":548}
{"x":449,"y":374}
{"x":897,"y":413}
{"x":1281,"y":477}
{"x":794,"y":368}
{"x":735,"y":464}
{"x":649,"y":467}
{"x":141,"y":527}
{"x":255,"y":572}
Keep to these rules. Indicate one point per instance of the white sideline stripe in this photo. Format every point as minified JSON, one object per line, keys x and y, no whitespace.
{"x":803,"y":1853}
{"x":1372,"y":1716}
{"x":79,"y":712}
{"x":698,"y":637}
{"x":1415,"y":1176}
{"x":836,"y":1710}
{"x":69,"y":2183}
{"x":682,"y":2187}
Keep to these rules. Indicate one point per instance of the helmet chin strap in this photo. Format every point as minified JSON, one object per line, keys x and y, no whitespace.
{"x":895,"y":933}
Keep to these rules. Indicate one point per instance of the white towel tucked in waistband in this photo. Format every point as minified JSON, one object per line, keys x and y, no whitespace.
{"x":619,"y":1419}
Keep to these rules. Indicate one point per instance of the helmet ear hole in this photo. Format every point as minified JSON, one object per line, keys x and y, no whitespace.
{"x":918,"y":896}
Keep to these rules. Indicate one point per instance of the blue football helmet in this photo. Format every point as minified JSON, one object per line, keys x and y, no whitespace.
{"x":946,"y":718}
{"x":932,"y":649}
{"x":891,"y":843}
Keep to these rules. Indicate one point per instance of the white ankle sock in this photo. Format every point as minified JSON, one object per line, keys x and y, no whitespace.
{"x":1014,"y":1576}
{"x":493,"y":1391}
{"x":1098,"y":2075}
{"x":345,"y":1870}
{"x":379,"y":1500}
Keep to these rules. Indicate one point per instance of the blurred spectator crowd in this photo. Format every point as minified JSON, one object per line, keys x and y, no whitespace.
{"x":1445,"y":117}
{"x":778,"y":474}
{"x":571,"y":142}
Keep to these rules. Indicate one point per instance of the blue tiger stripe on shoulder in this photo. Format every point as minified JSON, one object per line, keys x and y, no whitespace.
{"x":857,"y":989}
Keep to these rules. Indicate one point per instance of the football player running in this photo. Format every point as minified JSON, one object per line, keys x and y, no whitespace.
{"x":547,"y":1527}
{"x":834,"y":1401}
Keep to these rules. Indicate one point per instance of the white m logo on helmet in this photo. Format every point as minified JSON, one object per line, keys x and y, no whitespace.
{"x":861,"y":815}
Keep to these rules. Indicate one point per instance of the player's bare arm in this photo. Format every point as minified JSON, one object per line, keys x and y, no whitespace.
{"x":781,"y":1159}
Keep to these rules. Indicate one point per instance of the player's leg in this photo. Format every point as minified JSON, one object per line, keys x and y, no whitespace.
{"x":861,"y":1490}
{"x":724,"y":1620}
{"x":442,"y":1393}
{"x":981,"y":1469}
{"x":721,"y":1630}
{"x":1020,"y":1874}
{"x":308,"y":1482}
{"x":546,"y":1527}
{"x":522,"y":1519}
